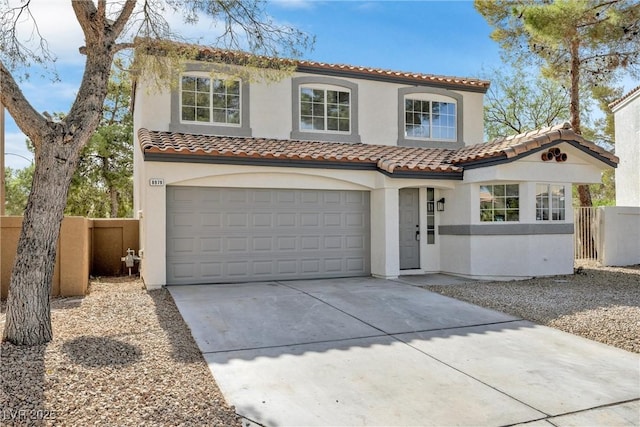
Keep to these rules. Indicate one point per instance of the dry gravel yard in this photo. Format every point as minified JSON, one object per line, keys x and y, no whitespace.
{"x":121,"y":356}
{"x":599,"y":303}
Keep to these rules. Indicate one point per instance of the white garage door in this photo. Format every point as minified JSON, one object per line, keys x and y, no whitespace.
{"x":223,"y":235}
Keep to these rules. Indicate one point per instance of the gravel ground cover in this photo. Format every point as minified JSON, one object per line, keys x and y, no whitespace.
{"x":599,"y":303}
{"x":123,"y":356}
{"x":120,"y":356}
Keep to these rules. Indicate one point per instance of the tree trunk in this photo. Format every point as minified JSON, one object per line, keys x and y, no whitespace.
{"x":58,"y":146}
{"x":113,"y":195}
{"x":584,"y":192}
{"x":28,"y":320}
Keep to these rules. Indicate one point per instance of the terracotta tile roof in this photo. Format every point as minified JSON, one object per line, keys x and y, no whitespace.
{"x":417,"y":77}
{"x":515,"y":145}
{"x":627,"y":96}
{"x":387,"y":158}
{"x":205,"y":53}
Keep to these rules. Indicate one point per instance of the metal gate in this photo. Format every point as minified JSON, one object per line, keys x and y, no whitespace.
{"x":586,"y":233}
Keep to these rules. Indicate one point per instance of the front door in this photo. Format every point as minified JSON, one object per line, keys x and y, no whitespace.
{"x":409,"y":228}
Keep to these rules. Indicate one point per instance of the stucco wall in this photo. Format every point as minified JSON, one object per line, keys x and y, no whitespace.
{"x":111,"y":238}
{"x":384,"y":205}
{"x":86,"y":246}
{"x":580,"y":168}
{"x":71,"y":274}
{"x":527,"y":248}
{"x":531,"y":249}
{"x":619,"y":235}
{"x":507,"y":257}
{"x":627,"y":126}
{"x":271,"y":110}
{"x":507,"y":250}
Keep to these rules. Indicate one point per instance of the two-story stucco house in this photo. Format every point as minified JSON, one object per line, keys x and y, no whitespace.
{"x":626,"y":112}
{"x":336,"y":171}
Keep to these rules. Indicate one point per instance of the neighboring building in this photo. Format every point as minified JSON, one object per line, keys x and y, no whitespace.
{"x":338,"y":171}
{"x":626,"y":112}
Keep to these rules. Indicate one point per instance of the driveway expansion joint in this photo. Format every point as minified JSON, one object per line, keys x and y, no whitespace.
{"x":332,"y":306}
{"x":393,"y":336}
{"x":297,"y":344}
{"x":328,"y":316}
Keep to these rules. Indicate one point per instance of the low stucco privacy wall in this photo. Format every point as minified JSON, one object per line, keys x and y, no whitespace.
{"x":86,"y":247}
{"x":619,"y":235}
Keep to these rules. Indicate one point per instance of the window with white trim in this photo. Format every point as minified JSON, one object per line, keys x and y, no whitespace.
{"x":500,"y":202}
{"x":430,"y":118}
{"x":325,"y":110}
{"x":207,"y":100}
{"x":550,"y":202}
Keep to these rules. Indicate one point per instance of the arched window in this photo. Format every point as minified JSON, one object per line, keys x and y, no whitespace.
{"x":429,"y":117}
{"x":324,"y":109}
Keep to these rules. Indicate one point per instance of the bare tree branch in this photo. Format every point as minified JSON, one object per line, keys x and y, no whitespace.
{"x":20,"y":109}
{"x":121,"y":22}
{"x":84,"y":11}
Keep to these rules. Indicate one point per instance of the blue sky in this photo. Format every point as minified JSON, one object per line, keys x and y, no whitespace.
{"x":435,"y":37}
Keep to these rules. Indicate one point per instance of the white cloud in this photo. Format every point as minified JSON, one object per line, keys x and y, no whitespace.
{"x":16,"y":150}
{"x":57,"y":24}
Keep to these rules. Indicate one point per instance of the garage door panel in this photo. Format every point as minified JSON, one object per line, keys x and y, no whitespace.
{"x":286,"y":243}
{"x":310,"y":243}
{"x":310,"y":220}
{"x":262,"y":244}
{"x":212,"y":219}
{"x":221,"y":235}
{"x":210,"y":245}
{"x":333,"y":265}
{"x":332,"y":198}
{"x":354,"y":265}
{"x":333,"y":242}
{"x":181,"y":246}
{"x":210,"y":270}
{"x":310,"y":266}
{"x":262,"y":219}
{"x":284,"y":197}
{"x":183,"y":195}
{"x":355,"y":242}
{"x":237,"y":245}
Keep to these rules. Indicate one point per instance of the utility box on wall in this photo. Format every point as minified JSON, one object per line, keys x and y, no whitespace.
{"x":111,"y":239}
{"x":85,"y":247}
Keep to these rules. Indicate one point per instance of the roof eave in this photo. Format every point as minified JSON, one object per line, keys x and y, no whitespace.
{"x":178,"y":157}
{"x":501,"y":157}
{"x":391,"y":78}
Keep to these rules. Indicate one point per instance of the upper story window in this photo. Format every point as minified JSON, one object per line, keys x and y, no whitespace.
{"x":429,"y":119}
{"x":210,"y":104}
{"x":550,"y":202}
{"x":323,"y":109}
{"x":207,"y":100}
{"x":499,"y":202}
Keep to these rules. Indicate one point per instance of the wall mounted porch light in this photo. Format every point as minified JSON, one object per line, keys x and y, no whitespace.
{"x":440,"y":205}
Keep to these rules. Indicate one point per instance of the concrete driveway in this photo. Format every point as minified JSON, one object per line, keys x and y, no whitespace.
{"x":364,"y":351}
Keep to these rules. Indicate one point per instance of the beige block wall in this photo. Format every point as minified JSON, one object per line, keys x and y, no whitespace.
{"x":86,"y":246}
{"x":111,"y":239}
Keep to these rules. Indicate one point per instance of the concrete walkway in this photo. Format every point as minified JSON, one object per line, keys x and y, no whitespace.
{"x":364,"y":351}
